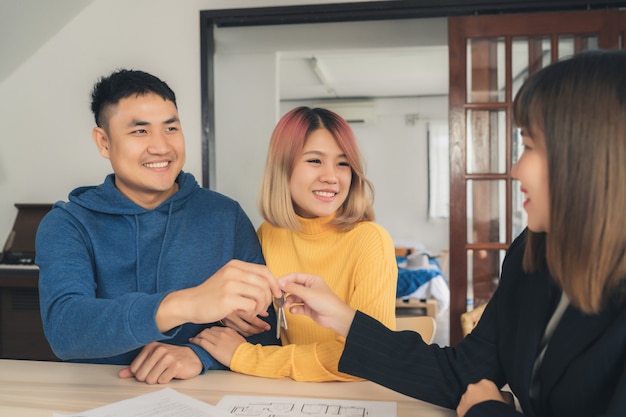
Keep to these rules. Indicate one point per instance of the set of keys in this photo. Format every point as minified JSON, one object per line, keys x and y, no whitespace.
{"x":281,"y":320}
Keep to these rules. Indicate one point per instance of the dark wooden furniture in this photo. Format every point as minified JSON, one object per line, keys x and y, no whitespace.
{"x":21,"y":329}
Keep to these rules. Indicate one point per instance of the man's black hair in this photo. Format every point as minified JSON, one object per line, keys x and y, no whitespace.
{"x":124,"y":83}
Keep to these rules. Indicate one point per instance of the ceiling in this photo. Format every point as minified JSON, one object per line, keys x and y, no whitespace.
{"x":350,"y":73}
{"x":362,"y":73}
{"x":365,"y":73}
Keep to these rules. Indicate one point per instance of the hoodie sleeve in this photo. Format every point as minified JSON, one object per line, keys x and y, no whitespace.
{"x":91,"y":327}
{"x":83,"y":323}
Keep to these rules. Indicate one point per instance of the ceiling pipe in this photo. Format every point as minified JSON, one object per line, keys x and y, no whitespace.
{"x":319,"y":73}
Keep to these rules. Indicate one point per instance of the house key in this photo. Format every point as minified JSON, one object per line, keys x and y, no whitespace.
{"x":281,"y":320}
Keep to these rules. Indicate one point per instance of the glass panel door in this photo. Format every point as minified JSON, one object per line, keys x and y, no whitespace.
{"x":490,"y":57}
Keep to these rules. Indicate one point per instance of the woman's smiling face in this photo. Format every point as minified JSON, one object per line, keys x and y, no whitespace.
{"x":532,"y":171}
{"x":321,"y":176}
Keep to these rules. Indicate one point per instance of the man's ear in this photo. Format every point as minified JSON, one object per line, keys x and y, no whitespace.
{"x":101,"y":139}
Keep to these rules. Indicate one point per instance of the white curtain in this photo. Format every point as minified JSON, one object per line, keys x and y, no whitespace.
{"x":438,"y":171}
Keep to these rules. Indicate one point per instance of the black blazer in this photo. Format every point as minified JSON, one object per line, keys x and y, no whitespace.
{"x":583,"y":372}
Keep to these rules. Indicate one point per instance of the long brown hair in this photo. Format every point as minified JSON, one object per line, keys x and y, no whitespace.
{"x":580,"y":106}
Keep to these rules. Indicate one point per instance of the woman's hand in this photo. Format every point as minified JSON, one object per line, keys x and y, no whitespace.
{"x":483,"y":390}
{"x":220,"y":342}
{"x":309,"y":295}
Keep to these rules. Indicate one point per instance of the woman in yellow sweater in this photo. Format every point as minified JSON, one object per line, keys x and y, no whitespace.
{"x":318,"y":210}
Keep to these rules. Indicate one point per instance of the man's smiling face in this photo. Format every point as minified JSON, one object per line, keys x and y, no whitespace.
{"x":144,"y":141}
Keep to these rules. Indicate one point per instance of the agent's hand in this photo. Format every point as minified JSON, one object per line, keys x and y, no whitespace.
{"x":220,"y":342}
{"x":238,"y":286}
{"x":159,"y":363}
{"x":309,"y":295}
{"x":246,"y":325}
{"x":484,"y":390}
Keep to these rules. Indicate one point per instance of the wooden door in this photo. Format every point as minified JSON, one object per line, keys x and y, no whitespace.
{"x":490,"y":57}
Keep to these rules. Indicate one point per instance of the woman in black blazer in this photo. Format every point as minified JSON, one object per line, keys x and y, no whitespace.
{"x":555,"y":329}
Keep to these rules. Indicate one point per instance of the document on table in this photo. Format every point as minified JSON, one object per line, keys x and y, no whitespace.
{"x":163,"y":403}
{"x":170,"y":403}
{"x":240,"y":406}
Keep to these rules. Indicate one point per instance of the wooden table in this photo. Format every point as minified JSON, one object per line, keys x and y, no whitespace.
{"x":38,"y":388}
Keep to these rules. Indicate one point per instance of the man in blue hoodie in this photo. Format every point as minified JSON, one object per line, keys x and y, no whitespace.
{"x":134,"y":267}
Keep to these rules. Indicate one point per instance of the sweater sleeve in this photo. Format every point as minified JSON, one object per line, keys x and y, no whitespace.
{"x":374,"y":290}
{"x":316,"y":362}
{"x":82,"y":325}
{"x":371,"y":288}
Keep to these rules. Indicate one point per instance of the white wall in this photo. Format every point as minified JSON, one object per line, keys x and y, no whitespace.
{"x":46,"y":148}
{"x":397,"y":163}
{"x":246,"y":62}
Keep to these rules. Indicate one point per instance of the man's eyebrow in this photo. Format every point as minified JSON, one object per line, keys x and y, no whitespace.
{"x":136,"y":122}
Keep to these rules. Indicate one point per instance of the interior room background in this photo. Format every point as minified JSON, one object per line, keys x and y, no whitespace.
{"x":46,"y":149}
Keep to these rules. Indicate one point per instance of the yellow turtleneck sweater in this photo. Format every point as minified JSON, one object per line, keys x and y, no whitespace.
{"x":358,"y":265}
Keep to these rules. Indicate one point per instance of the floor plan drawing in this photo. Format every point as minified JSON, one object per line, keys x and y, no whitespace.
{"x":241,"y":406}
{"x":275,"y":409}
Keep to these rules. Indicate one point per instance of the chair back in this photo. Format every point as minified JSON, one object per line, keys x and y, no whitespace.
{"x":424,"y":325}
{"x":469,"y":319}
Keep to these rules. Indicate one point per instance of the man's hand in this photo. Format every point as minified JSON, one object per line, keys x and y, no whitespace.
{"x":246,"y":325}
{"x":483,"y":390}
{"x":159,"y":363}
{"x":241,"y":287}
{"x":220,"y":342}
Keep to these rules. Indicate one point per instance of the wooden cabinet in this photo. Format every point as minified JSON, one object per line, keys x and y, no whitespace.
{"x":21,"y":329}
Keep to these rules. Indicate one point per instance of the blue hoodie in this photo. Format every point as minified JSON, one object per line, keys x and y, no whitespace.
{"x":106,"y":263}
